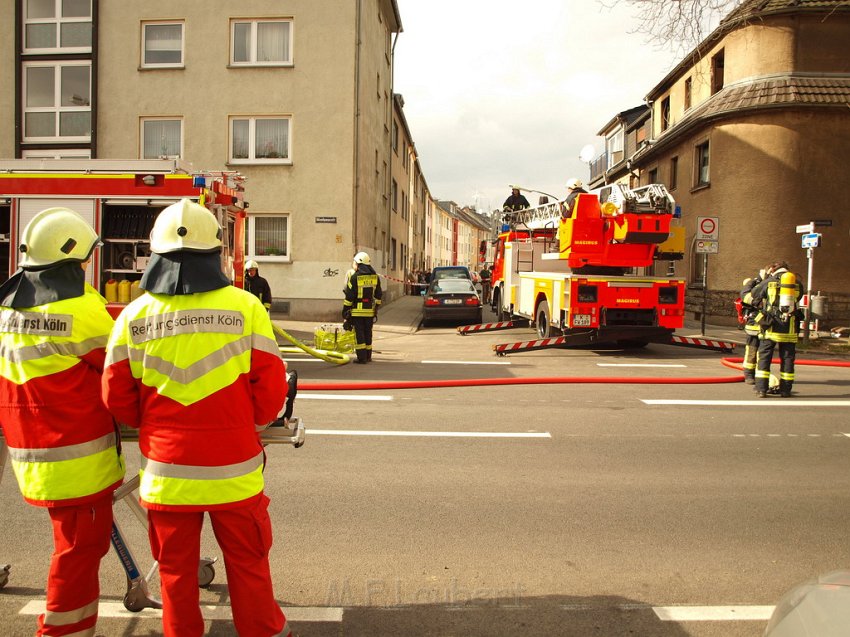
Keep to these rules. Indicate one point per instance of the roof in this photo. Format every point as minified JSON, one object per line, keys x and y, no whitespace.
{"x":766,"y":92}
{"x":626,"y":118}
{"x":741,"y":15}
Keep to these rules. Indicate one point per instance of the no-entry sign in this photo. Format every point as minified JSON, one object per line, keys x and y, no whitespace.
{"x":708,"y":229}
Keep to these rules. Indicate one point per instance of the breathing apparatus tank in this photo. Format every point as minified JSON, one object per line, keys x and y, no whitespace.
{"x":787,"y":292}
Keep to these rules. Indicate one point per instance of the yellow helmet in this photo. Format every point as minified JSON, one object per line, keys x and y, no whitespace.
{"x":362,"y":257}
{"x":55,"y":235}
{"x":250,"y":264}
{"x":185,"y":225}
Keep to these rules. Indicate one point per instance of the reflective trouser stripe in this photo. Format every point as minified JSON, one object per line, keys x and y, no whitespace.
{"x":786,"y":375}
{"x":171,"y":484}
{"x":762,"y":373}
{"x":63,"y":618}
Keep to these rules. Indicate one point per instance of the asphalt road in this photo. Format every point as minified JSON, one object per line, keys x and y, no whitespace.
{"x":605,"y":506}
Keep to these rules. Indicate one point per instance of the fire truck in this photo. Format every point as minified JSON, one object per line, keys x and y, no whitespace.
{"x":120,"y":199}
{"x":580,"y":276}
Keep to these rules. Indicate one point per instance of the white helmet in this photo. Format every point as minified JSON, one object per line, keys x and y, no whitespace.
{"x":55,"y":235}
{"x":250,"y":264}
{"x":185,"y":225}
{"x":362,"y":257}
{"x":574,"y":183}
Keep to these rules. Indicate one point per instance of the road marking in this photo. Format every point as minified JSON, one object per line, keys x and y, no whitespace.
{"x":761,"y":402}
{"x":639,"y":365}
{"x":312,"y":396}
{"x":712,"y":613}
{"x":117,"y":610}
{"x":428,"y":434}
{"x":467,"y":362}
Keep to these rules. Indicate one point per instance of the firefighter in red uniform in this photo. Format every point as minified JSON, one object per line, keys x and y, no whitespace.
{"x":62,"y":441}
{"x":193,"y":364}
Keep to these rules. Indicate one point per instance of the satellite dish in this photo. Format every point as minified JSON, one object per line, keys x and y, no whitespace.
{"x":587,"y":153}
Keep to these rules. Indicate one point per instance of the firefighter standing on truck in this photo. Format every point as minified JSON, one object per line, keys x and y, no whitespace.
{"x":360,"y":306}
{"x":779,"y":295}
{"x":62,"y":441}
{"x":194,"y":365}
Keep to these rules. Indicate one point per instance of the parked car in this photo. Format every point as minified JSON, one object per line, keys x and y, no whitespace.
{"x":451,"y":299}
{"x":450,"y":272}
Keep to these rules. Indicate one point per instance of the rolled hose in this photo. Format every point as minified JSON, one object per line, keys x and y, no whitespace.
{"x":337,"y":358}
{"x":733,"y":363}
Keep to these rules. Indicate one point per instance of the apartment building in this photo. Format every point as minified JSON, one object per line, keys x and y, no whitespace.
{"x":752,"y":128}
{"x":296,"y":95}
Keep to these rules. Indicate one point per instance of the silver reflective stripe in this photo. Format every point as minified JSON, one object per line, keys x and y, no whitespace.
{"x":51,"y":348}
{"x":150,"y":328}
{"x":116,"y":354}
{"x":64,"y":618}
{"x":197,"y":369}
{"x":36,"y":323}
{"x":69,"y":452}
{"x":265,"y":344}
{"x":193,"y":472}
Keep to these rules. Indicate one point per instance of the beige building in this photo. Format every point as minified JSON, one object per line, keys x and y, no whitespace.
{"x":295,"y":95}
{"x":752,"y":128}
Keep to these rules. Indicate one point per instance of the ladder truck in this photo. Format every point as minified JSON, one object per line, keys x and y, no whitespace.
{"x":579,"y":276}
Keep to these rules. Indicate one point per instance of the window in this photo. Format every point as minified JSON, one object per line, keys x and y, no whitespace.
{"x":268,"y":236}
{"x":261,"y":42}
{"x":395,"y":136}
{"x":674,"y":172}
{"x":162,"y":44}
{"x":614,"y":146}
{"x":717,"y":65}
{"x":665,"y":113}
{"x":688,"y":93}
{"x":701,"y":157}
{"x":59,"y":153}
{"x":259,"y":140}
{"x":162,"y":138}
{"x":652,"y":176}
{"x":57,"y":24}
{"x":394,"y":195}
{"x":57,"y":101}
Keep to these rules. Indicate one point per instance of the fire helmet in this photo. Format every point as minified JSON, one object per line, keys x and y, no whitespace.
{"x":574,"y":183}
{"x":55,"y":235}
{"x":185,"y":225}
{"x":362,"y":257}
{"x":251,"y":264}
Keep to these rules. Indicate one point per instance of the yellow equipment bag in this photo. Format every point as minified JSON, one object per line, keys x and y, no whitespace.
{"x":332,"y":337}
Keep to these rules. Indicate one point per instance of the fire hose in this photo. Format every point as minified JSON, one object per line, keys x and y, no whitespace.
{"x":330,"y":356}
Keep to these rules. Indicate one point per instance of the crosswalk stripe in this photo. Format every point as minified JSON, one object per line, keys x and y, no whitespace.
{"x":761,"y":402}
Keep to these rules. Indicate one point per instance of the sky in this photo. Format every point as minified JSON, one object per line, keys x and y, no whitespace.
{"x":499,"y":92}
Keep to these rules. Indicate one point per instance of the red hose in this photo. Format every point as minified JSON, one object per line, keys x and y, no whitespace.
{"x":734,"y":363}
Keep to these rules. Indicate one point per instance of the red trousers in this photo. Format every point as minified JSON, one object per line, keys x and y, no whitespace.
{"x":80,"y":539}
{"x":245,"y":537}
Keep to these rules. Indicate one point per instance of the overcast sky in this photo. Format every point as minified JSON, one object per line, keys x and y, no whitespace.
{"x":499,"y":92}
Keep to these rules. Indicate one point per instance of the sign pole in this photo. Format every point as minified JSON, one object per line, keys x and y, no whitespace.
{"x":704,"y":293}
{"x":810,"y":254}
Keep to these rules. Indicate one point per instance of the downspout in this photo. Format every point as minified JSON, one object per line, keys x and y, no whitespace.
{"x":388,"y":184}
{"x":356,"y":160}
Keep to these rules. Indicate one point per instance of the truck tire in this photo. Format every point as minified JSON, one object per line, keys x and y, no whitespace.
{"x":542,"y":321}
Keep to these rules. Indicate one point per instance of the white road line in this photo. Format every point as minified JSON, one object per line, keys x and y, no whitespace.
{"x":304,"y":360}
{"x":639,"y":365}
{"x":117,"y":610}
{"x":712,"y":613}
{"x":467,"y":362}
{"x":761,"y":402}
{"x":312,"y":396}
{"x":428,"y":434}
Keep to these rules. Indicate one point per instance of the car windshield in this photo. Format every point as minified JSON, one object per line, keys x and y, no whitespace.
{"x":451,"y":273}
{"x":450,"y":286}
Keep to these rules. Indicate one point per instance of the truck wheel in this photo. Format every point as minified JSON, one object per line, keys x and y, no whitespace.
{"x":544,"y":328}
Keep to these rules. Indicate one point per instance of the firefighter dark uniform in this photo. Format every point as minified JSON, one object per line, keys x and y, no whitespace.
{"x":257,"y":285}
{"x":516,"y":201}
{"x":194,"y":365}
{"x":360,"y":306}
{"x":780,"y":294}
{"x":61,"y":439}
{"x":751,"y":328}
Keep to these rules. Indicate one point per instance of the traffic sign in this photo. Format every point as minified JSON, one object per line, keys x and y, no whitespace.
{"x":707,"y":246}
{"x":811,"y":240}
{"x":806,"y":229}
{"x":708,"y":228}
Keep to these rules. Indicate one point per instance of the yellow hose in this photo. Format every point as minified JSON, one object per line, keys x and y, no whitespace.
{"x":329,"y":356}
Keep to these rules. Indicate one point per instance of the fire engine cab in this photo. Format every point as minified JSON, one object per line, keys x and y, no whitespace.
{"x":120,"y":199}
{"x":581,"y":274}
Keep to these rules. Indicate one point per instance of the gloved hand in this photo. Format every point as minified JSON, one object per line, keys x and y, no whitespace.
{"x":346,"y":313}
{"x":347,"y":326}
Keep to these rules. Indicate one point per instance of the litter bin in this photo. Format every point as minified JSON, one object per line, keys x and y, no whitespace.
{"x":818,"y":309}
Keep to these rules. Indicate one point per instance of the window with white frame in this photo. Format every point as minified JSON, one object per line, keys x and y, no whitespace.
{"x":161,"y":138}
{"x":268,"y":236}
{"x":259,"y":140}
{"x":614,"y":147}
{"x":261,"y":42}
{"x":51,"y":25}
{"x":58,"y":153}
{"x":57,"y":101}
{"x":162,"y":44}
